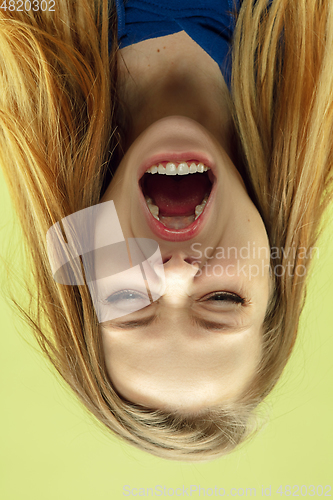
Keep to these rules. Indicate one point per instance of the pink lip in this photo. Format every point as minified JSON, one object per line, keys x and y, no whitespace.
{"x":193,"y":229}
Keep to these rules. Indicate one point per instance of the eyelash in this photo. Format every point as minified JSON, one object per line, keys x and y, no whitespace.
{"x":226,"y":296}
{"x":215,"y":296}
{"x":121,"y":294}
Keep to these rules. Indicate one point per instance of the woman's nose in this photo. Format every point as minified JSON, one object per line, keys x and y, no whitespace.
{"x":179,"y":275}
{"x":177,"y":258}
{"x":181,"y":263}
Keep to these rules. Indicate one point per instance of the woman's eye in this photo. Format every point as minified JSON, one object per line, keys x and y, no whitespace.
{"x":128,"y":300}
{"x":225,"y":296}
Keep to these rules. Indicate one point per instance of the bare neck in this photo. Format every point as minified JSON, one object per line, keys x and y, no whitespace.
{"x":173,"y":75}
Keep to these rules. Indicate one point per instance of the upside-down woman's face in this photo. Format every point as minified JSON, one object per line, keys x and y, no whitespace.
{"x":199,"y":344}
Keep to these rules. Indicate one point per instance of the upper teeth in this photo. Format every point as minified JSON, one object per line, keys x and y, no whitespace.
{"x":155,"y":211}
{"x":182,"y":168}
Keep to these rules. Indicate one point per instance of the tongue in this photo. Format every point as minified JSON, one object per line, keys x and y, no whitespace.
{"x":176,"y":195}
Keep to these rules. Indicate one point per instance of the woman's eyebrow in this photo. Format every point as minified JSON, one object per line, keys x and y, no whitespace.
{"x":135,"y":323}
{"x":217,"y":325}
{"x":202,"y":323}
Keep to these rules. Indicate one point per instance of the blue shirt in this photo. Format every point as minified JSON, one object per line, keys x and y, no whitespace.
{"x":210,"y":23}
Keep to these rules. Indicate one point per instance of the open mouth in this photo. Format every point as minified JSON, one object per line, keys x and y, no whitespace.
{"x":177,"y":193}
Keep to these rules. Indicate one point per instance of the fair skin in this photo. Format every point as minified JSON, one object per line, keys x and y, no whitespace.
{"x":190,"y":349}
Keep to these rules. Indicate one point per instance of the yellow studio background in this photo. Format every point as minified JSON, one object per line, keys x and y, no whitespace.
{"x":51,"y":449}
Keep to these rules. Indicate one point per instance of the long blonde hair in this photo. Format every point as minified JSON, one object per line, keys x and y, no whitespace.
{"x":61,"y":137}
